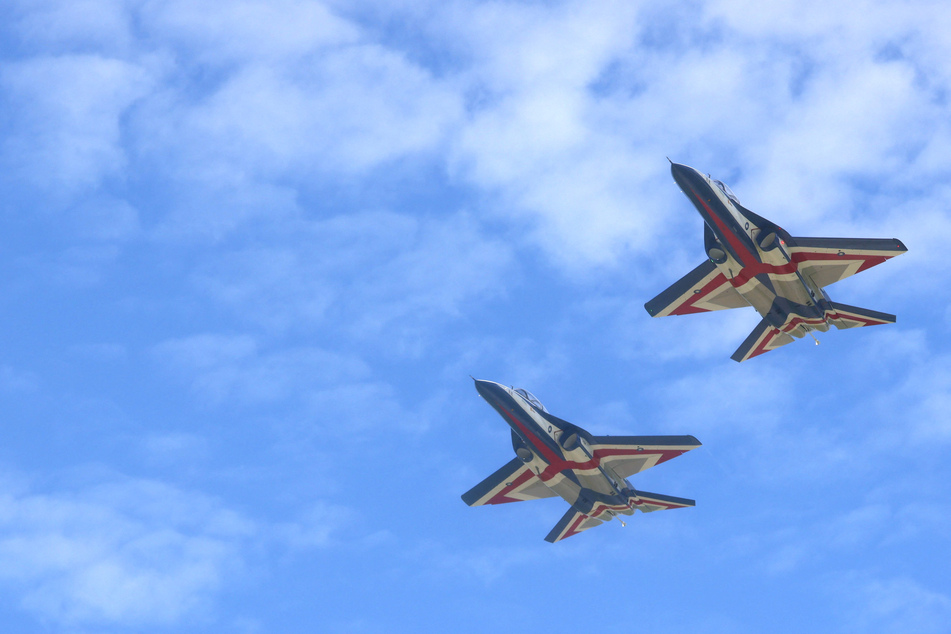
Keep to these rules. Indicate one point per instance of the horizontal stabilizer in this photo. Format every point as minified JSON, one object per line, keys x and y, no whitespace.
{"x":763,"y":339}
{"x":701,"y":290}
{"x":572,"y":523}
{"x":514,"y":482}
{"x":650,"y":502}
{"x":845,"y":316}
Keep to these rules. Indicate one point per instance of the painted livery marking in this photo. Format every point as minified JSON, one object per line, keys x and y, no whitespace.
{"x":688,"y":307}
{"x":751,"y":269}
{"x":502,"y":496}
{"x":557,"y":464}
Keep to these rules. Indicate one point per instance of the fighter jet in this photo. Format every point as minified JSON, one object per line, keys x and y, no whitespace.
{"x":554,"y":457}
{"x":754,"y":262}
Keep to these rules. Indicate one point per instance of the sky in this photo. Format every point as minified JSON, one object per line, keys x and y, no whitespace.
{"x":252,"y":251}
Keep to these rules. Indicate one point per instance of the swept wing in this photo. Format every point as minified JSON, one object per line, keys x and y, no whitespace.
{"x":701,"y":290}
{"x":627,"y":455}
{"x":514,"y":482}
{"x":828,"y":260}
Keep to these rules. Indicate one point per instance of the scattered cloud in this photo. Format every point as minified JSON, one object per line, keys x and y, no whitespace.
{"x":66,"y":119}
{"x":132,"y":552}
{"x":373,"y":275}
{"x":879,"y":603}
{"x":349,"y":200}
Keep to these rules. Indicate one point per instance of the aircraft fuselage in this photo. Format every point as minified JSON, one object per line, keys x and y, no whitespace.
{"x":750,"y":252}
{"x":559,"y":454}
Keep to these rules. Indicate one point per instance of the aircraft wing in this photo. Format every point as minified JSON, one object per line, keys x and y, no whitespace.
{"x":627,"y":455}
{"x":828,"y":260}
{"x":701,"y":290}
{"x":514,"y":482}
{"x":764,"y":338}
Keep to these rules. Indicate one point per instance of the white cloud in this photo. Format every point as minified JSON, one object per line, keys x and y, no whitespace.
{"x":327,"y":392}
{"x":365,"y":274}
{"x":131,"y":552}
{"x":539,"y":138}
{"x":106,"y":550}
{"x":233,"y":368}
{"x":876,"y":603}
{"x":243,"y":30}
{"x":73,"y":25}
{"x":345,"y":110}
{"x":66,"y":132}
{"x":314,"y":528}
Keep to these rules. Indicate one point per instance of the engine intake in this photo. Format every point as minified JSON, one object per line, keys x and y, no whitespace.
{"x":571,"y":441}
{"x":717,"y":255}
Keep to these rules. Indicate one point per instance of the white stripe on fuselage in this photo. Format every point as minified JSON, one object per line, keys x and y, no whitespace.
{"x":746,"y":225}
{"x":553,"y":431}
{"x":595,"y":478}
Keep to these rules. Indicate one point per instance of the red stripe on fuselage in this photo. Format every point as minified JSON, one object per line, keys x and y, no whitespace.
{"x":754,"y":268}
{"x":557,"y":464}
{"x":738,"y":246}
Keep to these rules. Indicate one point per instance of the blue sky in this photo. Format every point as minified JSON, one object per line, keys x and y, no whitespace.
{"x":254,"y":249}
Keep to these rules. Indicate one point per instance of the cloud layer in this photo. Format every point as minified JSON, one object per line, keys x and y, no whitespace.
{"x":254,"y":248}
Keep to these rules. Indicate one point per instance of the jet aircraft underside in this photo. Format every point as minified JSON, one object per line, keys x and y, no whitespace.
{"x":555,"y":457}
{"x":754,"y":262}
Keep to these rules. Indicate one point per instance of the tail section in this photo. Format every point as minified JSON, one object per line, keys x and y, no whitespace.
{"x":765,"y":337}
{"x":650,"y":502}
{"x":845,"y":316}
{"x":572,"y":523}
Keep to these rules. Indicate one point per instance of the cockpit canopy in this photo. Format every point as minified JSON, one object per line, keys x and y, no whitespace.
{"x":726,"y":190}
{"x":528,"y":396}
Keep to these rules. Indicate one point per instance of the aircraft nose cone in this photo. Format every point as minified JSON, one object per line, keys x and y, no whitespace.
{"x":679,"y":172}
{"x":486,"y":389}
{"x":481,"y":386}
{"x":684,"y":175}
